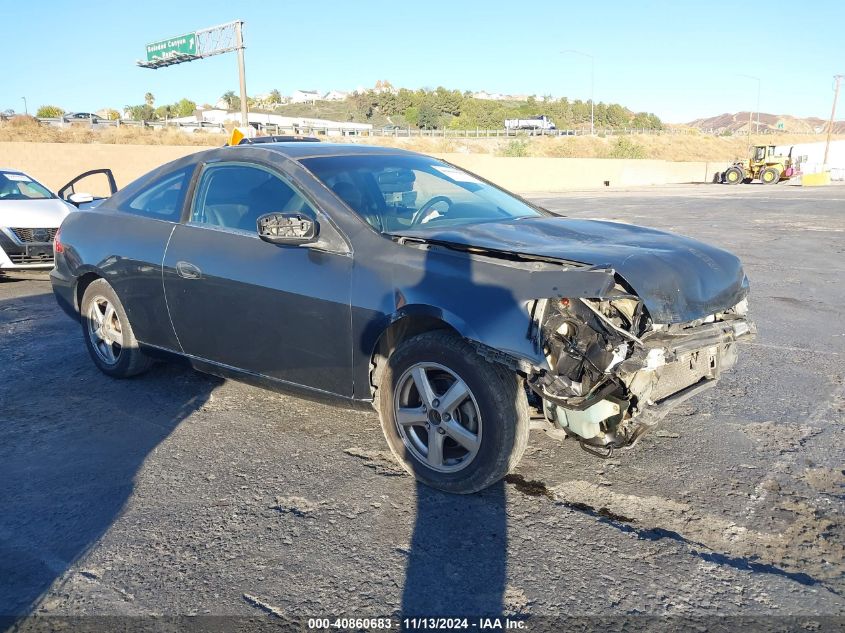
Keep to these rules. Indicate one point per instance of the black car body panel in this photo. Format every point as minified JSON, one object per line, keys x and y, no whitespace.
{"x":679,"y":279}
{"x":279,"y":312}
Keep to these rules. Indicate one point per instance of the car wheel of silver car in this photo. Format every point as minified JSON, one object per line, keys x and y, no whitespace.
{"x":454,"y":420}
{"x":108,"y":334}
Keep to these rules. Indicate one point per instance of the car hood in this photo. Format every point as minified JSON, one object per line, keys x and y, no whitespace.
{"x":678,"y":279}
{"x":33,"y":214}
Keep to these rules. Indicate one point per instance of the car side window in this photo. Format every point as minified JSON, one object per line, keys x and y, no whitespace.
{"x":163,"y":199}
{"x":235,"y":195}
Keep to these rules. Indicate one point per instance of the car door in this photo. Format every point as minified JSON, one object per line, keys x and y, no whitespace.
{"x":281,"y":311}
{"x":93,"y":192}
{"x":125,"y":240}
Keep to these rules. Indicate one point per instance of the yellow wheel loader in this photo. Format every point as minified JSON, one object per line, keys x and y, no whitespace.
{"x":762,"y":164}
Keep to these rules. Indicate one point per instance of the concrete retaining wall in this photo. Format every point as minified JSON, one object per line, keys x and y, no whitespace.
{"x":56,"y":163}
{"x":527,"y":175}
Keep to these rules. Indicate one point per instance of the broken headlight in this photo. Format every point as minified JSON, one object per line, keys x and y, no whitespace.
{"x":583,"y":340}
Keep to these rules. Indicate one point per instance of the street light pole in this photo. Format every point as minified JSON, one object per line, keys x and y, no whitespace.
{"x":838,"y":80}
{"x":757,"y":79}
{"x":25,"y":109}
{"x":592,"y":86}
{"x":592,"y":95}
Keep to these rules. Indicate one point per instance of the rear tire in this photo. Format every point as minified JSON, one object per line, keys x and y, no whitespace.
{"x":466,"y":442}
{"x":734,"y":176}
{"x":769,"y":176}
{"x":108,"y":334}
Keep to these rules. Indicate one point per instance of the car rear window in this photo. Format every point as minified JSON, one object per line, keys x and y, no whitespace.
{"x":163,"y":199}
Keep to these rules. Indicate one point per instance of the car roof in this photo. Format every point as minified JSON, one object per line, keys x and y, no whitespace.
{"x":298,"y":151}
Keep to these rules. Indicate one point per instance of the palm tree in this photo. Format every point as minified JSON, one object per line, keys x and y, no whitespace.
{"x":149,"y":99}
{"x":230,"y":98}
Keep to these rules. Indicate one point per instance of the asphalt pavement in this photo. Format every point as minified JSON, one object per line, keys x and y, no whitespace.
{"x":180,"y":494}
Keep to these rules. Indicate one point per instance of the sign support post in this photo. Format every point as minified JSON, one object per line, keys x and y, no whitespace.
{"x":239,"y":43}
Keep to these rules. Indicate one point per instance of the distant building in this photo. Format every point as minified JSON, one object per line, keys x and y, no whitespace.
{"x":335,"y":95}
{"x":262,"y":100}
{"x":305,"y":96}
{"x":498,"y":96}
{"x":384,"y":86}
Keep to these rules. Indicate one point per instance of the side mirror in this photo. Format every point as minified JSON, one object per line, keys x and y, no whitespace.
{"x":287,"y":228}
{"x":80,"y":198}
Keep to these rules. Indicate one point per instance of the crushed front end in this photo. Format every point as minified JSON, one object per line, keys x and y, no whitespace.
{"x":613,"y":373}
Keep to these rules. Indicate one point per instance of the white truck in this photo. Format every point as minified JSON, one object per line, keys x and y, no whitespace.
{"x":540,"y":122}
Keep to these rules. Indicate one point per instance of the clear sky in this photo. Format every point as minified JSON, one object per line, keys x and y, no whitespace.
{"x":680,"y":60}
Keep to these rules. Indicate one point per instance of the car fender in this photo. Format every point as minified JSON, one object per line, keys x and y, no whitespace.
{"x":434,"y":312}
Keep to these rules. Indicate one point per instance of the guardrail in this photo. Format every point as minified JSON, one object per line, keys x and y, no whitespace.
{"x":97,"y":124}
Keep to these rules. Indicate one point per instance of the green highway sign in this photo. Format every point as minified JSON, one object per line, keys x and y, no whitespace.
{"x":182,"y":45}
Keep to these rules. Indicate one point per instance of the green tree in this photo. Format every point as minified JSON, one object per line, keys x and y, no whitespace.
{"x":428,"y":118}
{"x":446,"y":101}
{"x":149,"y":99}
{"x":143,"y":112}
{"x":412,"y":115}
{"x":184,"y":107}
{"x":405,"y":99}
{"x":617,"y":116}
{"x":365,"y":103}
{"x":647,"y":120}
{"x":49,"y":112}
{"x":275,"y":97}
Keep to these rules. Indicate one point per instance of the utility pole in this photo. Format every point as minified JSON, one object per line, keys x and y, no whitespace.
{"x":239,"y":44}
{"x":25,"y":109}
{"x":837,"y":80}
{"x":592,"y":86}
{"x":750,"y":114}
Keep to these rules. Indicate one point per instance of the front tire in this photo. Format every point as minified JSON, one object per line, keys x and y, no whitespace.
{"x":452,"y":419}
{"x":108,"y":335}
{"x":770,"y":176}
{"x":734,"y":176}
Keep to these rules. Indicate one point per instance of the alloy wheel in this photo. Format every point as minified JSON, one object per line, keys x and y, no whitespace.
{"x":437,"y":417}
{"x":104,"y":330}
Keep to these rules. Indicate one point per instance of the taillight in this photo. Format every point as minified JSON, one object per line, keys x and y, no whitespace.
{"x":57,"y":242}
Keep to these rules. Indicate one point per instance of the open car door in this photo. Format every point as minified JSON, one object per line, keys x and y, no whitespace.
{"x":99,"y":184}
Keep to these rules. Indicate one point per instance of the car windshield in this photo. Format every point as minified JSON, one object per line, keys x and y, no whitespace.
{"x":17,"y":186}
{"x":395,"y":193}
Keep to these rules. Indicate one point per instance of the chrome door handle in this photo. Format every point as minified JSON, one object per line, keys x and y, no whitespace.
{"x":188,"y":271}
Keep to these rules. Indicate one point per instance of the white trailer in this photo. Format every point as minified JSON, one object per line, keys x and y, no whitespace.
{"x":808,"y":158}
{"x":541,"y":122}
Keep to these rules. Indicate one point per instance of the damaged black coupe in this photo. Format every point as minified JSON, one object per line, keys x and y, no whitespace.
{"x":379,"y":275}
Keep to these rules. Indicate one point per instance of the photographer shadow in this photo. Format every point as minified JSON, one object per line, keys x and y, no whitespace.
{"x":457,"y":564}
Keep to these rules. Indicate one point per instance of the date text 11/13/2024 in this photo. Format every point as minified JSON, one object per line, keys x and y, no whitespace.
{"x":416,"y":624}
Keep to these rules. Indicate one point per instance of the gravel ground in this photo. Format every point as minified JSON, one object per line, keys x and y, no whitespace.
{"x":178,"y":494}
